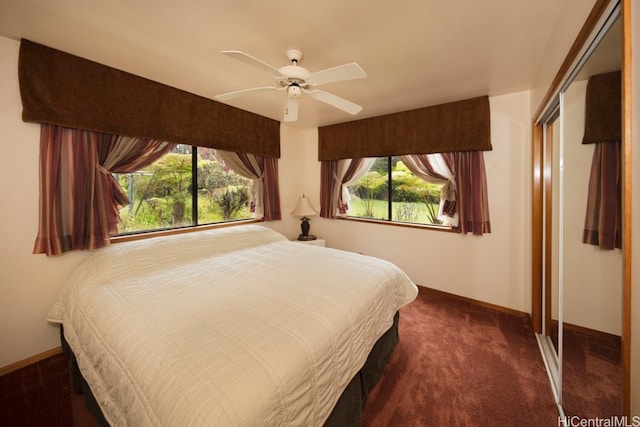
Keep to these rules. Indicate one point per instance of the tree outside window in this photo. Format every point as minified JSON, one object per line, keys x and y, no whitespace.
{"x":188,"y":186}
{"x":390,"y":191}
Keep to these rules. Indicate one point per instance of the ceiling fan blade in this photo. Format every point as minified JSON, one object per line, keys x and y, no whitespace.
{"x":248,"y":59}
{"x":243,"y":92}
{"x":290,"y":109}
{"x":335,"y":101}
{"x":339,"y":73}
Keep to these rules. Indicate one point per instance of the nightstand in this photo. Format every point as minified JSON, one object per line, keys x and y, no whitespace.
{"x":317,"y":242}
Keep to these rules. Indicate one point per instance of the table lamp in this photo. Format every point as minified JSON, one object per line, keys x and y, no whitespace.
{"x":304,"y":210}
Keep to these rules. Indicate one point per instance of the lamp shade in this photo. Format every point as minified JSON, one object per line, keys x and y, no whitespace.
{"x":304,"y":208}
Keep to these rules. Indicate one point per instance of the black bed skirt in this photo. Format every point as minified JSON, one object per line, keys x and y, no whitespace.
{"x":346,"y":413}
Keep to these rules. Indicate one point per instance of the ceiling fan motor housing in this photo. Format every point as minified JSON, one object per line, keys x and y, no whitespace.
{"x":294,"y":74}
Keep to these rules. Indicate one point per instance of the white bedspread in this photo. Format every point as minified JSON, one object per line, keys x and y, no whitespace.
{"x":230,"y":327}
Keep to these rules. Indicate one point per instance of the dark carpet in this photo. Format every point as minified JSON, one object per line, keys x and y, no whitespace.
{"x":37,"y":395}
{"x":461,"y":364}
{"x":592,"y":375}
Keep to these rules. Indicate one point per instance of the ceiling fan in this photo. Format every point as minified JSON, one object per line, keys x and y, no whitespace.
{"x":296,"y":80}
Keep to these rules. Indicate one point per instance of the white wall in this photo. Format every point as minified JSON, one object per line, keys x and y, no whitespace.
{"x":292,"y":177}
{"x":494,"y":268}
{"x":28,"y":283}
{"x":565,"y":29}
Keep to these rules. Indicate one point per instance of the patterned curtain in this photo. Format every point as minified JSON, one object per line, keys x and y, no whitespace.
{"x":603,"y":115}
{"x":79,"y":197}
{"x":471,"y":184}
{"x":433,"y":168}
{"x":265,"y":197}
{"x":334,"y":176}
{"x":329,"y":183}
{"x":604,"y":203}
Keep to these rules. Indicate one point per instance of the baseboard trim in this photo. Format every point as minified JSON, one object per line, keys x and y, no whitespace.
{"x":586,"y":331}
{"x":490,"y":306}
{"x":30,"y":360}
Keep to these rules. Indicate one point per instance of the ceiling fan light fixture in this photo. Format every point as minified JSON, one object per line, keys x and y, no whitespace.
{"x":294,"y":91}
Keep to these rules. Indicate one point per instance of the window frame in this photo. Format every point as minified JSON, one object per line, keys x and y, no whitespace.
{"x":167,"y":231}
{"x":432,"y":227}
{"x":180,"y":230}
{"x":390,"y":221}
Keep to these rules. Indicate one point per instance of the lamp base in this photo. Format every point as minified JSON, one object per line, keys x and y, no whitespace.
{"x":304,"y":228}
{"x":307,"y":237}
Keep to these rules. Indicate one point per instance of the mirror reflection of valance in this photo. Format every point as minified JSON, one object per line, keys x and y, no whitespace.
{"x":66,"y":90}
{"x":456,"y":126}
{"x":603,"y":112}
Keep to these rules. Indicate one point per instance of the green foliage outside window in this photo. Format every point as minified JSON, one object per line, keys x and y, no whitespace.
{"x":412,"y":199}
{"x":162,"y":194}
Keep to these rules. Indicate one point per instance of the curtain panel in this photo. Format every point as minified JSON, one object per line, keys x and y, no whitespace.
{"x":66,"y":90}
{"x":329,"y":188}
{"x":263,"y":171}
{"x":472,"y":195}
{"x":433,"y":168}
{"x":271,"y":194}
{"x":603,"y":219}
{"x":603,"y":128}
{"x":453,"y":127}
{"x":79,"y":196}
{"x":335,"y":175}
{"x":356,"y":169}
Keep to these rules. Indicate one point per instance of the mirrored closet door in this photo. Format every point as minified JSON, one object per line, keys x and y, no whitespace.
{"x":581,"y":265}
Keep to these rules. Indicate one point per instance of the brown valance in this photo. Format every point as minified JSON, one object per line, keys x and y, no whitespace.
{"x":456,"y":126}
{"x":66,"y":90}
{"x":603,"y":111}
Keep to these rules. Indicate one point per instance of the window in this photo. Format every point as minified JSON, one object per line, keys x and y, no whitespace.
{"x":389,"y":191}
{"x":188,"y":186}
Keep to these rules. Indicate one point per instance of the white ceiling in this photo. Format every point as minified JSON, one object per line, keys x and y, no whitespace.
{"x":415,"y":52}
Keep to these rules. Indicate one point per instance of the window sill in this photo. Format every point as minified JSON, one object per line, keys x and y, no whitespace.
{"x":171,"y":231}
{"x":440,"y":228}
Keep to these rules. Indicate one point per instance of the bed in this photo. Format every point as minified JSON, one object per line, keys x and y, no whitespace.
{"x":235,"y":326}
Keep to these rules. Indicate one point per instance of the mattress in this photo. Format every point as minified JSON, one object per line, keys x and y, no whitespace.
{"x":236,"y":326}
